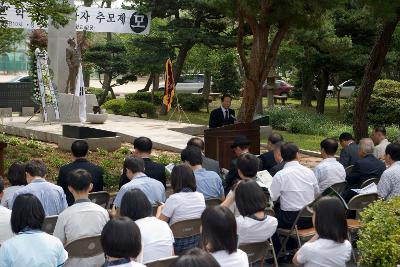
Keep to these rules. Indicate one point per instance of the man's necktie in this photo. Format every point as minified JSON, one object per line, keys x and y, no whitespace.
{"x":226,"y":114}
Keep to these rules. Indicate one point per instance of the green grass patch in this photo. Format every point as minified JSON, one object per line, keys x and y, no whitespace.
{"x":304,"y":141}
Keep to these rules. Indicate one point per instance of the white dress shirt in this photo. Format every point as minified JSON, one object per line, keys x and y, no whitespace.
{"x":379,"y":150}
{"x":328,"y":172}
{"x":296,"y":186}
{"x":389,"y":184}
{"x":5,"y":225}
{"x":223,"y":112}
{"x":236,"y":259}
{"x":253,"y":230}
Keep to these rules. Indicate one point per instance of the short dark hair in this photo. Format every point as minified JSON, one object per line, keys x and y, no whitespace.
{"x":182,"y":176}
{"x":345,"y":137}
{"x":79,"y":179}
{"x":225,"y":95}
{"x":143,"y":144}
{"x":134,"y":164}
{"x":196,"y":141}
{"x":1,"y":185}
{"x":393,"y":150}
{"x":248,"y":164}
{"x":277,"y":146}
{"x":36,"y":167}
{"x":289,"y":151}
{"x":27,"y":211}
{"x":79,"y":148}
{"x":135,"y":205}
{"x":250,"y":198}
{"x":329,"y":145}
{"x":196,"y":257}
{"x":330,"y":219}
{"x":219,"y":229}
{"x":380,"y":129}
{"x":121,"y":238}
{"x":275,"y":138}
{"x":192,"y":154}
{"x":16,"y":174}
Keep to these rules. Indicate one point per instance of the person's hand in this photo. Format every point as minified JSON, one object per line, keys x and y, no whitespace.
{"x":159,"y":209}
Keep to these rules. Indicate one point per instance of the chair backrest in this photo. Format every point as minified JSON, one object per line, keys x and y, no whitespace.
{"x":360,"y":202}
{"x":370,"y":181}
{"x":213,"y":202}
{"x":166,"y":262}
{"x":85,"y":247}
{"x":186,"y":228}
{"x":348,"y":169}
{"x":100,"y":198}
{"x":339,"y":187}
{"x":49,"y":224}
{"x":255,"y":251}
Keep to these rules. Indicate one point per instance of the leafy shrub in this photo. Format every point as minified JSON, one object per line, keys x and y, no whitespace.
{"x":191,"y":102}
{"x":138,"y":107}
{"x":98,"y":92}
{"x":226,"y":78}
{"x":379,"y":237}
{"x":145,"y":96}
{"x":383,"y":106}
{"x":115,"y":105}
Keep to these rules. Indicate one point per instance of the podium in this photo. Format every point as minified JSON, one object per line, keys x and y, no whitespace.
{"x":218,"y":141}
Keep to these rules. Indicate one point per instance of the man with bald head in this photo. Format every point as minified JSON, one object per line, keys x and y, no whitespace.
{"x":368,"y":166}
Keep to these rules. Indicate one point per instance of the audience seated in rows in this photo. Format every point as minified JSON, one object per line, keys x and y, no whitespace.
{"x":349,"y":154}
{"x":157,"y":237}
{"x":50,"y":195}
{"x":17,"y":178}
{"x":196,"y":257}
{"x":184,"y":204}
{"x":389,"y":184}
{"x":208,"y":163}
{"x":143,"y":147}
{"x":30,"y":246}
{"x":5,"y":216}
{"x":80,"y":149}
{"x":280,"y":163}
{"x":329,"y":247}
{"x":380,"y":141}
{"x":121,"y":242}
{"x":219,"y":237}
{"x":365,"y":168}
{"x":153,"y":189}
{"x":329,"y":171}
{"x":208,"y":183}
{"x":267,"y":159}
{"x":82,"y":219}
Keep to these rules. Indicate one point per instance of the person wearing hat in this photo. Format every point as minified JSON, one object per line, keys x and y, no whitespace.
{"x":223,"y":115}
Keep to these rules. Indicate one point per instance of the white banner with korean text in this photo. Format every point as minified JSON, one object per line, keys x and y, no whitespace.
{"x":91,"y":19}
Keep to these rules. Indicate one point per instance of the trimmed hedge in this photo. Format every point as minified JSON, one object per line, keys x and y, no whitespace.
{"x":145,"y":96}
{"x":115,"y":105}
{"x":123,"y":107}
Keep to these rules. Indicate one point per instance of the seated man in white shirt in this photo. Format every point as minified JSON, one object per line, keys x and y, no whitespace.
{"x":389,"y":184}
{"x":329,"y":171}
{"x":82,"y":219}
{"x":380,"y":141}
{"x":5,"y":217}
{"x":296,"y":186}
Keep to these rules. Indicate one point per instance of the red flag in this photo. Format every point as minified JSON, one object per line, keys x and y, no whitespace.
{"x":169,"y":85}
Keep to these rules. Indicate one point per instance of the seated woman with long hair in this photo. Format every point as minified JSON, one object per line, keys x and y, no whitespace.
{"x":219,"y":237}
{"x":184,"y":204}
{"x":30,"y":247}
{"x":157,"y":237}
{"x":253,"y":224}
{"x":329,"y":247}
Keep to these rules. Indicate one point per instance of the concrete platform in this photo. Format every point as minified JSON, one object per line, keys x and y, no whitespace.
{"x":128,"y":128}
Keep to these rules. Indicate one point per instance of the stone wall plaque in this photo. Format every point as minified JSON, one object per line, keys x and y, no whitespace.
{"x":16,"y":95}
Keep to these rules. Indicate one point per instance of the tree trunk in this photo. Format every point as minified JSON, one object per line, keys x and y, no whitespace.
{"x":180,"y":60}
{"x":148,"y":83}
{"x":306,"y":88}
{"x":371,"y":74}
{"x":156,"y":85}
{"x":249,"y":101}
{"x":86,"y":77}
{"x":338,"y":101}
{"x":107,"y":88}
{"x":207,"y":88}
{"x":323,"y":89}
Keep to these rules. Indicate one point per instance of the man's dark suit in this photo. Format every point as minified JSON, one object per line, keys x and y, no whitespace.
{"x":364,"y":169}
{"x":94,"y":170}
{"x":151,"y":169}
{"x":267,"y":160}
{"x":211,"y":165}
{"x":349,"y":155}
{"x":217,"y":118}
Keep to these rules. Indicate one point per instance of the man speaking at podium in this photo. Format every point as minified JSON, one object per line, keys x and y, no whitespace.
{"x":223,"y":115}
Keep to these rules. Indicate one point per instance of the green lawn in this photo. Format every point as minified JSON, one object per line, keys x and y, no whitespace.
{"x":308,"y":142}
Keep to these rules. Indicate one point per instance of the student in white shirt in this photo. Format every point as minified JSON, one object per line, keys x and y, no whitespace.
{"x":329,"y":171}
{"x":5,"y":217}
{"x":329,"y":247}
{"x":157,"y":237}
{"x":121,"y":242}
{"x":82,"y":219}
{"x":184,"y":204}
{"x":196,"y":258}
{"x":379,"y":138}
{"x":253,"y":224}
{"x":17,"y":178}
{"x":219,"y":237}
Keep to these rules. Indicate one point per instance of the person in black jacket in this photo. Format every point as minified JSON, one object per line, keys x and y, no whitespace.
{"x":79,"y":151}
{"x":143,"y":147}
{"x":267,"y":159}
{"x":223,"y":115}
{"x":349,"y":154}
